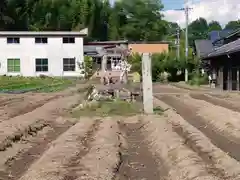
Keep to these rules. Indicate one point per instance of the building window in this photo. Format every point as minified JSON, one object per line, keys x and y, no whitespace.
{"x":13,"y":40}
{"x":69,"y":64}
{"x":41,"y":40}
{"x":13,"y":65}
{"x":41,"y":65}
{"x":67,"y":40}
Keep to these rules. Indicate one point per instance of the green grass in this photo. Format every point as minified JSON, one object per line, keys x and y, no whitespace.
{"x":158,"y":110}
{"x":46,"y":84}
{"x":108,"y":108}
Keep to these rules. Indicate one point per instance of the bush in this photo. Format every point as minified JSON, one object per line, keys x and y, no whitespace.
{"x":166,"y":63}
{"x":198,"y":79}
{"x":88,"y":66}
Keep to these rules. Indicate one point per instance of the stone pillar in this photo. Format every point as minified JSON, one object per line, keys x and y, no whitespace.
{"x":103,"y":68}
{"x":147,"y":83}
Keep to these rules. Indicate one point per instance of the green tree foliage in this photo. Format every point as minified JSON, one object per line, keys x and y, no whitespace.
{"x":198,"y":29}
{"x":134,"y":20}
{"x":214,"y":26}
{"x":88,"y":66}
{"x":233,"y":25}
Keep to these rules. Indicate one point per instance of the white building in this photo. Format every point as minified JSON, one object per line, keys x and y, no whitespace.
{"x":42,"y":53}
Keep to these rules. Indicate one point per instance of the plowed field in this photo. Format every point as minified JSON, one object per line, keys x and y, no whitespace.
{"x":194,"y":137}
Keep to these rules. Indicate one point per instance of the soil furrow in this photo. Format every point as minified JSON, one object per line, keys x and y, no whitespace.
{"x":138,"y":161}
{"x":53,"y":163}
{"x":48,"y":113}
{"x":103,"y":158}
{"x":182,"y":162}
{"x":211,"y":169}
{"x":10,"y":101}
{"x":31,"y":107}
{"x":85,"y":143}
{"x":218,"y":162}
{"x":190,"y":115}
{"x":17,"y":167}
{"x":18,"y":136}
{"x":216,"y":101}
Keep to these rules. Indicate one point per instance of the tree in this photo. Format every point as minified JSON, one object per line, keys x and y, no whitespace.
{"x":233,"y":25}
{"x":198,"y":29}
{"x":144,"y":20}
{"x":214,"y":26}
{"x":4,"y":19}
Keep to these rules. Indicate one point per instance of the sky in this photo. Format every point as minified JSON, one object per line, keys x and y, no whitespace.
{"x":219,"y":10}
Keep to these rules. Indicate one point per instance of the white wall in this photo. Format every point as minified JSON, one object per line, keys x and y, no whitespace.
{"x":27,"y":51}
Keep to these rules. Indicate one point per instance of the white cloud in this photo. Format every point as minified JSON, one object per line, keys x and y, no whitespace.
{"x":218,"y":10}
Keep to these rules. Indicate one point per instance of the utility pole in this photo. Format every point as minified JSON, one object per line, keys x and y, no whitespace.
{"x":186,"y":10}
{"x":186,"y":38}
{"x":178,"y":43}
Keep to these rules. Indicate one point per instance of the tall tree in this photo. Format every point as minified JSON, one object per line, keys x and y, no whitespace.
{"x":214,"y":26}
{"x":233,"y":25}
{"x":198,"y":29}
{"x":144,"y":20}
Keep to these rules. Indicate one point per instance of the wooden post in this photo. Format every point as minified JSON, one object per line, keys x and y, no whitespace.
{"x":229,"y":78}
{"x":238,"y":85}
{"x":147,"y":83}
{"x":221,"y":78}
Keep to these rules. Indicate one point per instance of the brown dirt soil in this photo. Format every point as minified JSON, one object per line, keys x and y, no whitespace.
{"x":17,"y":126}
{"x":188,"y":111}
{"x":218,"y":162}
{"x":224,"y":119}
{"x":166,"y":88}
{"x":24,"y":139}
{"x":102,"y":158}
{"x":52,"y":164}
{"x":22,"y":162}
{"x":24,"y":104}
{"x":218,"y":101}
{"x":137,"y":160}
{"x":182,"y":162}
{"x":12,"y":105}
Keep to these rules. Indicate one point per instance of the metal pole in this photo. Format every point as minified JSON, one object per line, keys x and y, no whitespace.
{"x":186,"y":39}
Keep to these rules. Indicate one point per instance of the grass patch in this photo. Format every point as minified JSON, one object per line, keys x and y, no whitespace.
{"x":108,"y":108}
{"x":39,"y":84}
{"x":158,"y":110}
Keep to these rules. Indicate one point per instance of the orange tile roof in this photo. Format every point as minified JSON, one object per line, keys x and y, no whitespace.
{"x":148,"y":48}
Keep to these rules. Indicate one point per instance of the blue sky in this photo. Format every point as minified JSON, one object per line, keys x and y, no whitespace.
{"x":219,"y":10}
{"x":169,"y":4}
{"x":172,"y":4}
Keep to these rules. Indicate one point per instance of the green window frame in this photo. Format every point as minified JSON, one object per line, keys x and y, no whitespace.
{"x":41,"y":64}
{"x":13,"y":65}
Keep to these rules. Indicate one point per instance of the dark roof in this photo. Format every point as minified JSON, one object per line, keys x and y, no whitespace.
{"x":229,"y":48}
{"x":93,"y":50}
{"x":233,"y":33}
{"x":203,"y":47}
{"x":107,"y":42}
{"x":216,"y":35}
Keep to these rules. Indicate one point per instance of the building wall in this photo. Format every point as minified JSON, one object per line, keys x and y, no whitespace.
{"x":27,"y":51}
{"x":148,"y":48}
